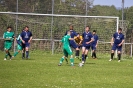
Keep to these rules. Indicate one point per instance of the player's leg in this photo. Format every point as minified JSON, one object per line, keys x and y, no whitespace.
{"x":23,"y":51}
{"x":112,"y":52}
{"x":94,"y":52}
{"x":69,"y":51}
{"x":66,"y":58}
{"x":19,"y":48}
{"x":62,"y":58}
{"x":74,"y":45}
{"x":27,"y":50}
{"x":7,"y":47}
{"x":119,"y":53}
{"x":83,"y":54}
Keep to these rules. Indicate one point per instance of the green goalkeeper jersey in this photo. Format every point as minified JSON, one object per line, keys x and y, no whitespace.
{"x":8,"y":36}
{"x":65,"y":40}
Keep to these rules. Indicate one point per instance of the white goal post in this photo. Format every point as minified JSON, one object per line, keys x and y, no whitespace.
{"x":70,"y":19}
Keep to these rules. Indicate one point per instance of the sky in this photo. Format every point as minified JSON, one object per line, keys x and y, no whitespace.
{"x":116,"y":3}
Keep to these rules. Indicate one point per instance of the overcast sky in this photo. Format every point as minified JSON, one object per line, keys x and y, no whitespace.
{"x":116,"y":3}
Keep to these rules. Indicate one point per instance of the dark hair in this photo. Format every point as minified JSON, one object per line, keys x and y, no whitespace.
{"x":94,"y":30}
{"x":26,"y":27}
{"x":88,"y":27}
{"x":9,"y":27}
{"x":77,"y":33}
{"x":120,"y":29}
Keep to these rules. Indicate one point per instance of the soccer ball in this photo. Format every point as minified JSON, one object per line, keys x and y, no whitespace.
{"x":81,"y":64}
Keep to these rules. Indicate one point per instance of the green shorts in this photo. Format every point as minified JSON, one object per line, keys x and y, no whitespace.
{"x":7,"y":45}
{"x":67,"y":51}
{"x":19,"y":47}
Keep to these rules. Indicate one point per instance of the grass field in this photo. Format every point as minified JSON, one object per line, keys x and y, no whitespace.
{"x":42,"y":71}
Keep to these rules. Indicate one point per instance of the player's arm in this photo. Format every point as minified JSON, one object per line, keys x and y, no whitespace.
{"x":90,"y":41}
{"x":30,"y":38}
{"x":97,"y":42}
{"x":71,"y":38}
{"x":21,"y":35}
{"x":112,"y":41}
{"x":81,"y":39}
{"x":122,"y":41}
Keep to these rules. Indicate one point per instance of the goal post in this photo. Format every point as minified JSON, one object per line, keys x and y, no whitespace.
{"x":48,"y":29}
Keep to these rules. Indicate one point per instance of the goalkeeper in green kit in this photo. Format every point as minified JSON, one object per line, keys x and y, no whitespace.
{"x":66,"y":49}
{"x":9,"y":38}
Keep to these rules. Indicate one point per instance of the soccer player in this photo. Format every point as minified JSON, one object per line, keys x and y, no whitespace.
{"x":9,"y":38}
{"x":78,"y":39}
{"x":87,"y":39}
{"x":19,"y":46}
{"x":72,"y":42}
{"x":66,"y":48}
{"x":26,"y":37}
{"x":94,"y":44}
{"x":116,"y":42}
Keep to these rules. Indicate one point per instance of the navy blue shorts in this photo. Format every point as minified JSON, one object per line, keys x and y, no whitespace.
{"x":93,"y":47}
{"x":115,"y":46}
{"x":25,"y":45}
{"x":86,"y":46}
{"x":73,"y":44}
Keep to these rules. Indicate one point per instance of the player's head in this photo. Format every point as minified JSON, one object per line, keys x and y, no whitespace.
{"x":71,"y":27}
{"x":119,"y":30}
{"x":68,"y":32}
{"x":94,"y":32}
{"x":9,"y":28}
{"x":87,"y":29}
{"x":26,"y":28}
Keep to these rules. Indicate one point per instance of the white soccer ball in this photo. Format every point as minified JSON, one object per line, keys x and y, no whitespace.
{"x":81,"y":64}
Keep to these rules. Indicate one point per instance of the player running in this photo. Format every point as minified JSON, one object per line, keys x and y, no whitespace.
{"x":94,"y":44}
{"x":72,"y":42}
{"x":26,"y":37}
{"x":78,"y":39}
{"x":19,"y":46}
{"x":9,"y":38}
{"x":87,"y":39}
{"x":66,"y":49}
{"x":116,"y":42}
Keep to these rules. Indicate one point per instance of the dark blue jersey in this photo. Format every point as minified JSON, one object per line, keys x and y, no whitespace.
{"x":118,"y":37}
{"x":95,"y":37}
{"x":86,"y":37}
{"x":26,"y":35}
{"x":73,"y":33}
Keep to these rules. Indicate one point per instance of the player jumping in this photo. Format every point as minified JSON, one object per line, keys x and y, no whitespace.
{"x":66,"y":48}
{"x":116,"y":42}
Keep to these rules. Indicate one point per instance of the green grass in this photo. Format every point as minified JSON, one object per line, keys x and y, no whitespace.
{"x":41,"y":71}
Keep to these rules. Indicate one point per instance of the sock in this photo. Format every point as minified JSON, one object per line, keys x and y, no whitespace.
{"x":112,"y":55}
{"x":9,"y":54}
{"x":83,"y":57}
{"x":6,"y":55}
{"x":119,"y":56}
{"x":72,"y":61}
{"x":95,"y":55}
{"x":92,"y":54}
{"x":61,"y":60}
{"x":23,"y":54}
{"x":27,"y":54}
{"x":66,"y":60}
{"x":77,"y":53}
{"x":15,"y":54}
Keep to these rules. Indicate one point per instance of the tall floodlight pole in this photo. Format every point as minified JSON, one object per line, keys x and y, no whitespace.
{"x":122,"y":12}
{"x":52,"y":42}
{"x":16,"y":22}
{"x":86,"y":12}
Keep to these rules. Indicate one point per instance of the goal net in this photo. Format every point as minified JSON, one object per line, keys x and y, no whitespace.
{"x":48,"y":29}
